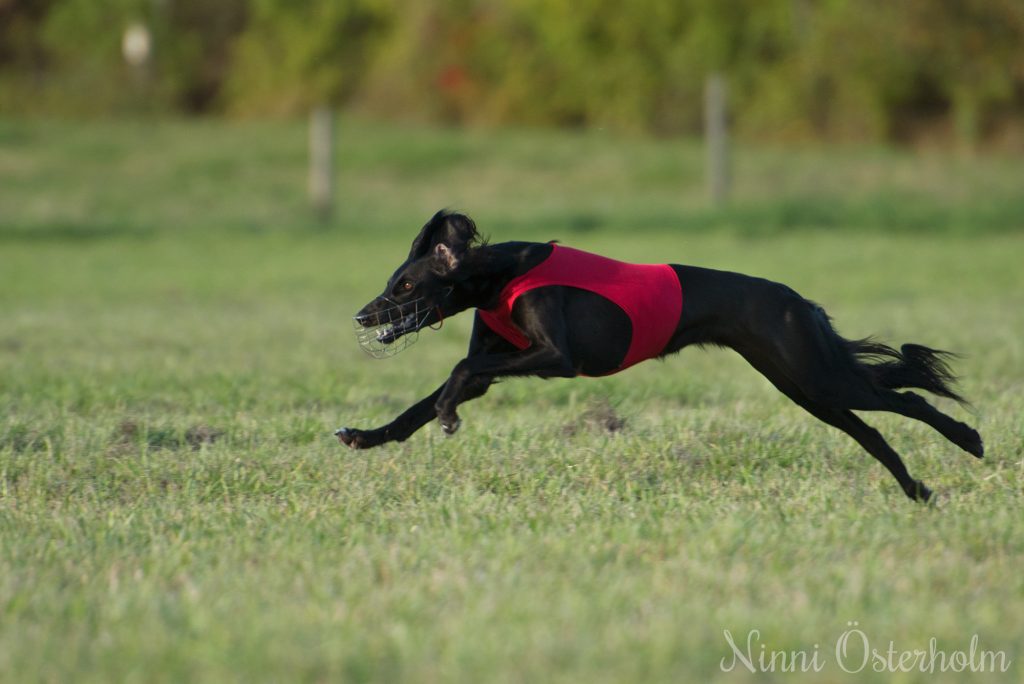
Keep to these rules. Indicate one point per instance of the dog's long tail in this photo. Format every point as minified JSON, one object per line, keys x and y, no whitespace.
{"x":913,"y":365}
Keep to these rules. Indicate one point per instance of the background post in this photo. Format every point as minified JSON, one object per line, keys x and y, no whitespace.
{"x":321,"y":161}
{"x":716,"y":138}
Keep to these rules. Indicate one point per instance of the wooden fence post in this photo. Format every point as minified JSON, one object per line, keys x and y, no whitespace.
{"x":321,"y":161}
{"x":716,"y":138}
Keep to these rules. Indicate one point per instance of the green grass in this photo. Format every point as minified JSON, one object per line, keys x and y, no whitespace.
{"x":175,"y":351}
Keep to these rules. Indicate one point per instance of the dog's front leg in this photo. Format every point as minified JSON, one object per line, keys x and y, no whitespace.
{"x":540,"y":315}
{"x":482,"y":341}
{"x":411,"y":420}
{"x":477,"y":371}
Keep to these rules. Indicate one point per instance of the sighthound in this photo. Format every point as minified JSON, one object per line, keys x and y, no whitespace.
{"x":550,"y":311}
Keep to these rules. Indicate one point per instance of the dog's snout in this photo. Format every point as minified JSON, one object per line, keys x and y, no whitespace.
{"x":369,"y":314}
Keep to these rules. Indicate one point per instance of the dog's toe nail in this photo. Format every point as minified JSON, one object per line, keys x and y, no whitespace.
{"x":450,"y":428}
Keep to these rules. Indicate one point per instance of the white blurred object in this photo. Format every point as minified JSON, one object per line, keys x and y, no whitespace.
{"x":136,"y":45}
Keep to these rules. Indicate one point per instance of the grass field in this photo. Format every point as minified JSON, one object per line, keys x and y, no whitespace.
{"x":175,"y":351}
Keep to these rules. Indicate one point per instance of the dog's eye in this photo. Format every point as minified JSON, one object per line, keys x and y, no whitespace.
{"x":406,"y":286}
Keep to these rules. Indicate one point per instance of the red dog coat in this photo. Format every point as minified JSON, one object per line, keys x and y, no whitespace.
{"x":649,"y":294}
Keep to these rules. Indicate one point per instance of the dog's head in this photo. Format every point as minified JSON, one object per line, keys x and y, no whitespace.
{"x":420,"y":291}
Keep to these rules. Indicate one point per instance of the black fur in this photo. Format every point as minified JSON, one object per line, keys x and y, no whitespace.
{"x":789,"y":339}
{"x":913,"y":366}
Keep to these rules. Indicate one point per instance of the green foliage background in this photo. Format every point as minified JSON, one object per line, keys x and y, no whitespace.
{"x":830,"y":69}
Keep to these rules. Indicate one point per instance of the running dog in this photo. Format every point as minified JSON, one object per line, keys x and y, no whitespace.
{"x":546,"y":310}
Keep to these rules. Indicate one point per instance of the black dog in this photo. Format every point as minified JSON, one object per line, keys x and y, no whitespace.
{"x":570,"y":331}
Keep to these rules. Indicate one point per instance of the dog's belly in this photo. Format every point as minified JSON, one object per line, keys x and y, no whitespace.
{"x":598,"y":331}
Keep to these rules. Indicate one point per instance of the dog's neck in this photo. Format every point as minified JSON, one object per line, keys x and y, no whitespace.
{"x":487,"y":269}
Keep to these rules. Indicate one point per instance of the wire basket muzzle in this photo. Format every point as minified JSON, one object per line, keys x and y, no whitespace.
{"x":393,"y":330}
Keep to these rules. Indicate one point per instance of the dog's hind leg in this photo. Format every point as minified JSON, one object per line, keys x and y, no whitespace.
{"x":915,"y":406}
{"x":821,"y":364}
{"x":791,"y":341}
{"x":844,"y":419}
{"x":873,"y":442}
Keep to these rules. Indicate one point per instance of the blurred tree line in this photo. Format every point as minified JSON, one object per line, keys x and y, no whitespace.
{"x":951,"y":70}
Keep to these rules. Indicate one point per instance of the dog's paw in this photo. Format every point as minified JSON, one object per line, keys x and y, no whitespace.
{"x":346,"y":436}
{"x":450,"y":424}
{"x":356,"y":439}
{"x":920,"y":492}
{"x":974,"y":444}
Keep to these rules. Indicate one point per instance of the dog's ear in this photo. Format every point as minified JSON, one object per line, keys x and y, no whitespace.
{"x":455,"y":231}
{"x":446,"y":258}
